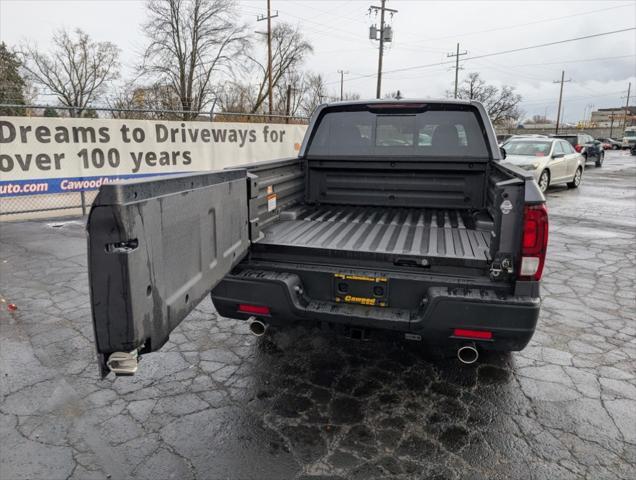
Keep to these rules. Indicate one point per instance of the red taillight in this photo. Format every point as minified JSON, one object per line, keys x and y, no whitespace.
{"x":578,"y":148}
{"x":534,"y":243}
{"x":480,"y":334}
{"x":253,"y":309}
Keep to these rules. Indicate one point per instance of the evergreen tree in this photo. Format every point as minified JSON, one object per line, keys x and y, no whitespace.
{"x":50,"y":112}
{"x":12,"y":84}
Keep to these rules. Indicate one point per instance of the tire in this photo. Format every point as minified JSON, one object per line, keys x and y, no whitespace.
{"x":599,"y":162}
{"x":615,"y":147}
{"x":544,"y":181}
{"x":576,"y":181}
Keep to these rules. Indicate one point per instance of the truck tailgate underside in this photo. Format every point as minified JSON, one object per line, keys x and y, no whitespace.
{"x":411,"y":232}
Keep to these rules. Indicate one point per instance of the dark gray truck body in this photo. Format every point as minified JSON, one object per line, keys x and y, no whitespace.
{"x":356,"y":244}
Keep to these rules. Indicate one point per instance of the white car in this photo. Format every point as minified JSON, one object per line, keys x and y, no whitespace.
{"x":551,"y":160}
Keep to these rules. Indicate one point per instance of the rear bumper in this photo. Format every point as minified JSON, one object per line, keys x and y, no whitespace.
{"x":511,"y":319}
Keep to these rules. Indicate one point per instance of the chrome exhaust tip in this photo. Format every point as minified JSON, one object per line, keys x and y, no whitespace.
{"x":468,"y":354}
{"x":257,"y":327}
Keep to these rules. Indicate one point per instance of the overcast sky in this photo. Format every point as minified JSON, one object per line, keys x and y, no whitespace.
{"x":424,"y":32}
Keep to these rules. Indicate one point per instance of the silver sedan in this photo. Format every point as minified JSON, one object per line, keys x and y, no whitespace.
{"x":552,"y":161}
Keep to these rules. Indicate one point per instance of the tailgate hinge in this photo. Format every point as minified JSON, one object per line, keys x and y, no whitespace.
{"x":123,"y":363}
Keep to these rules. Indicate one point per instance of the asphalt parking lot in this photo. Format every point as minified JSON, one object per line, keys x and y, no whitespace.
{"x":217,"y":402}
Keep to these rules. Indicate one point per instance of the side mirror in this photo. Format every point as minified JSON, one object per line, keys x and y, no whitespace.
{"x":503,"y":153}
{"x":558,"y":155}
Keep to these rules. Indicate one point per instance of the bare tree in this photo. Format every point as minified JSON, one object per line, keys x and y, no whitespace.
{"x":539,"y":119}
{"x":190,"y":40}
{"x":156,"y":102}
{"x":501,"y":104}
{"x":316,"y":93}
{"x":235,"y":97}
{"x":289,"y":50}
{"x":77,"y":70}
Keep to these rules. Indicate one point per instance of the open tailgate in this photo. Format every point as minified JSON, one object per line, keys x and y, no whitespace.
{"x":155,"y":249}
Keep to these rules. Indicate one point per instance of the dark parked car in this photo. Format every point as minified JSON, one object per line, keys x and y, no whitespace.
{"x":397,"y":218}
{"x":612,"y":143}
{"x":586,"y":145}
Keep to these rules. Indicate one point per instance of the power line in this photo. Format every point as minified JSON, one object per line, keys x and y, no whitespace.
{"x":514,"y":50}
{"x":524,"y":24}
{"x":503,"y":52}
{"x":581,"y":60}
{"x":551,"y":100}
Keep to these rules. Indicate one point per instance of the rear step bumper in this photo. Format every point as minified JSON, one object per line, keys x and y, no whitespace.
{"x":511,"y":319}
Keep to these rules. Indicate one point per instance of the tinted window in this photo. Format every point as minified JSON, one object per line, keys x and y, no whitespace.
{"x":571,"y":139}
{"x":528,"y":147}
{"x":558,"y":147}
{"x":433,"y":132}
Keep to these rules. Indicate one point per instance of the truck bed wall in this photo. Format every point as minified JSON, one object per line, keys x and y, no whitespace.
{"x":400,"y":183}
{"x":504,"y":186}
{"x":283,"y":181}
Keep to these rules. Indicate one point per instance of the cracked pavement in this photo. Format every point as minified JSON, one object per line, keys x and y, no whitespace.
{"x":216,"y":402}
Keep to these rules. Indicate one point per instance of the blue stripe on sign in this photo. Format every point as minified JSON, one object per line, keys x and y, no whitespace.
{"x":18,"y":188}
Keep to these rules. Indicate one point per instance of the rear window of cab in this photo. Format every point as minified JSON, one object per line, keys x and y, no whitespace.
{"x":399,"y":133}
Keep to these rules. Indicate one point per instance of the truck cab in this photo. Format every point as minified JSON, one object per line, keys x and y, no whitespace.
{"x":397,"y":218}
{"x":629,"y":137}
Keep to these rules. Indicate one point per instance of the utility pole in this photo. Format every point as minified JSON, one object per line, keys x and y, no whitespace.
{"x":288,"y":104}
{"x":342,"y":74}
{"x":456,"y":55}
{"x":611,"y":125}
{"x":629,"y":89}
{"x":562,"y":81}
{"x":382,"y":8}
{"x":587,"y":112}
{"x":269,"y":52}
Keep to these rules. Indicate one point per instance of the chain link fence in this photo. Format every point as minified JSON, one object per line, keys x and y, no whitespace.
{"x":46,"y":205}
{"x":77,"y":203}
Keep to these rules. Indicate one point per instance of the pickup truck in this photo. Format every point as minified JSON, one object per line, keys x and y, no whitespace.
{"x":396,"y":219}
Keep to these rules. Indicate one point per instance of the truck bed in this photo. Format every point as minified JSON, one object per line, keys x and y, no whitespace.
{"x":408,"y":232}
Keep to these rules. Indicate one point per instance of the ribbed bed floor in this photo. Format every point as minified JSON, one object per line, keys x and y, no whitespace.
{"x":401,"y":231}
